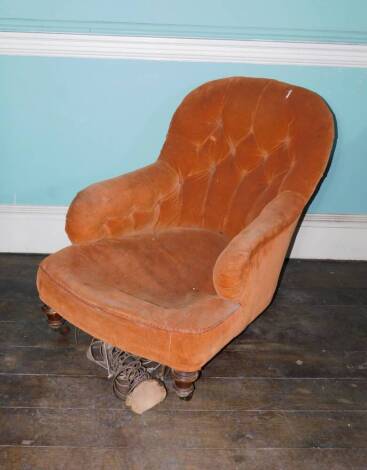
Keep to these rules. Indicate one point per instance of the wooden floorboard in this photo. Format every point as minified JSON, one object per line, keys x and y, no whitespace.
{"x":43,"y":391}
{"x":288,"y":393}
{"x":229,"y":429}
{"x":241,"y":362}
{"x":77,"y":458}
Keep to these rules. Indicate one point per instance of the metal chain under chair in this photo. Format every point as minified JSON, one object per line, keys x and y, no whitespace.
{"x":137,"y":381}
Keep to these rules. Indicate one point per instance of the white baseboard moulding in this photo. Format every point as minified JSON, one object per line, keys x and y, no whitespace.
{"x":183,"y":49}
{"x":40,"y":229}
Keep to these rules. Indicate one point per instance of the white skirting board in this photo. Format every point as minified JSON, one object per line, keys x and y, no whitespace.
{"x":40,"y":229}
{"x":32,"y":229}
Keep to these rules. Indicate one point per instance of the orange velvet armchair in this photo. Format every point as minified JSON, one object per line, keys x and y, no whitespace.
{"x":172,"y":261}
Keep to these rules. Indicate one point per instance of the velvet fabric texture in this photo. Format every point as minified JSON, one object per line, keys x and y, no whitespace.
{"x":173,"y":260}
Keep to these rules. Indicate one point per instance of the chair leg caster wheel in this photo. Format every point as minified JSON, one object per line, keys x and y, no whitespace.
{"x":55,"y":321}
{"x":183,"y":383}
{"x":188,"y":398}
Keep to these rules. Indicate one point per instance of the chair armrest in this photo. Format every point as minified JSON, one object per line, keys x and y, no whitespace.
{"x":109,"y":208}
{"x":247,"y":270}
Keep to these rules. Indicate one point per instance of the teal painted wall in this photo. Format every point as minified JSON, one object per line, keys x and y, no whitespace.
{"x":310,"y":20}
{"x":65,"y":123}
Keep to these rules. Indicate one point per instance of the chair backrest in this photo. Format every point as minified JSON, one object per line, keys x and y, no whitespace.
{"x":238,"y":142}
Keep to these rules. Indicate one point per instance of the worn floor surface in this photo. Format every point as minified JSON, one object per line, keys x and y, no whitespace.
{"x":289,"y":393}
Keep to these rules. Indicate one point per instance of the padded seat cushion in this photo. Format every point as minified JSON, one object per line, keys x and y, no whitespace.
{"x":159,"y":280}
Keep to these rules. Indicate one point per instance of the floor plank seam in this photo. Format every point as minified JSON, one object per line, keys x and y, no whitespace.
{"x":183,"y":448}
{"x":181,"y":410}
{"x":243,"y":378}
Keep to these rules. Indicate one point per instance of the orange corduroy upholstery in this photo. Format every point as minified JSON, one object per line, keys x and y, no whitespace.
{"x":172,"y":261}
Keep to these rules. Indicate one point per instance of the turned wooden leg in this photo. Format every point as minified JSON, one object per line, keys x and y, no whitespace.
{"x":183,"y":383}
{"x":54,"y":320}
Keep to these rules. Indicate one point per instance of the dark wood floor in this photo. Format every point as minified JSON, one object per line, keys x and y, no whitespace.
{"x":289,"y":393}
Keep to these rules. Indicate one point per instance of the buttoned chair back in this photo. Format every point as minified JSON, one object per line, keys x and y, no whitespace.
{"x":236,"y":144}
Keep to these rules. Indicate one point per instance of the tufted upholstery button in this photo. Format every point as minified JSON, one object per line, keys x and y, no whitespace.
{"x":231,"y":147}
{"x":264,"y":155}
